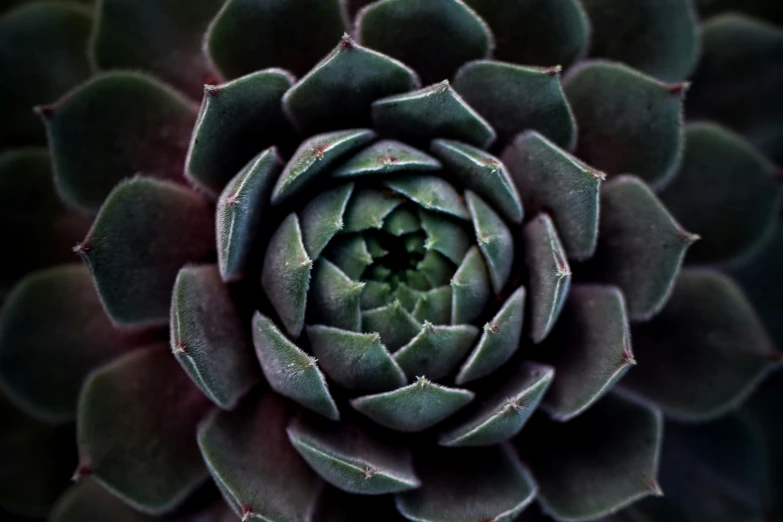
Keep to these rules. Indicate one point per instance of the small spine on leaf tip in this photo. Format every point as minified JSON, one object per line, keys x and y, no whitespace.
{"x":247,"y":512}
{"x":84,"y":470}
{"x":368,"y":472}
{"x":655,"y":488}
{"x":346,"y":42}
{"x":554,"y":71}
{"x":180,"y":347}
{"x":44,"y":111}
{"x":628,"y":357}
{"x":678,"y":89}
{"x":83,"y":248}
{"x":211,"y":90}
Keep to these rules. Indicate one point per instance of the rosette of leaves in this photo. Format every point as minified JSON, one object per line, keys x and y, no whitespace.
{"x":405,"y":259}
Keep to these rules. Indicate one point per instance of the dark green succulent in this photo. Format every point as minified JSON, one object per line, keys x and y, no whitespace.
{"x":407,"y":260}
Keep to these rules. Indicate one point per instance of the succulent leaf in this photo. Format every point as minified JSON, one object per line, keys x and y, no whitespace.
{"x":386,"y":157}
{"x":432,"y":193}
{"x":434,"y":306}
{"x":350,"y":254}
{"x":368,"y":208}
{"x":445,"y":236}
{"x":334,"y":298}
{"x":89,"y":501}
{"x":436,"y":268}
{"x":335,"y":505}
{"x":401,"y":221}
{"x":494,"y":240}
{"x":376,"y":295}
{"x":436,"y":351}
{"x":393,"y":323}
{"x":470,"y":287}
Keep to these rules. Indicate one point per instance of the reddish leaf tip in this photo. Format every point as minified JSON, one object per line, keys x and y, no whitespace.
{"x":44,"y":111}
{"x":554,"y":71}
{"x":678,"y":89}
{"x":84,"y":470}
{"x":368,"y":472}
{"x":346,"y":42}
{"x":83,"y":248}
{"x":180,"y":347}
{"x":212,"y":90}
{"x":655,"y":488}
{"x":247,"y":512}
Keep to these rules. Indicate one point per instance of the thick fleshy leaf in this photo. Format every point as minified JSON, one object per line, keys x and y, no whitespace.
{"x":436,"y":351}
{"x":92,"y":151}
{"x":434,"y":112}
{"x":314,"y":157}
{"x":322,"y":218}
{"x":721,"y":171}
{"x":436,"y":268}
{"x":738,"y":79}
{"x":89,"y":501}
{"x":432,"y":193}
{"x":708,"y":340}
{"x":494,"y":240}
{"x":163,"y":38}
{"x":137,"y":417}
{"x":290,"y":371}
{"x":335,"y":505}
{"x":553,"y":181}
{"x":250,"y":459}
{"x":434,"y":37}
{"x":434,"y":306}
{"x":208,"y":338}
{"x":628,"y":122}
{"x":368,"y":208}
{"x":536,"y":32}
{"x":237,"y":120}
{"x":249,"y":35}
{"x":413,"y":408}
{"x":53,"y":333}
{"x":640,"y":247}
{"x":339,"y":91}
{"x":471,"y":288}
{"x":505,"y":411}
{"x":42,"y":55}
{"x":356,"y":361}
{"x":285,"y":276}
{"x":590,"y":349}
{"x":498,"y":342}
{"x":445,"y":236}
{"x":384,"y":158}
{"x":514,"y":99}
{"x":598,"y":462}
{"x":240,"y":215}
{"x":352,"y":459}
{"x":659,"y":38}
{"x":483,"y":173}
{"x":145,"y":232}
{"x":334,"y":298}
{"x":34,"y":223}
{"x":376,"y":295}
{"x":393,"y":322}
{"x":468,"y":485}
{"x":549,"y":276}
{"x":350,"y":254}
{"x":401,"y":221}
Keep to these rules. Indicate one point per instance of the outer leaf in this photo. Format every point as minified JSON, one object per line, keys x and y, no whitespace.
{"x":434,"y":37}
{"x":334,"y":298}
{"x":145,"y":232}
{"x":394,"y":323}
{"x":709,"y":341}
{"x":290,"y":371}
{"x":434,"y":112}
{"x":135,"y":430}
{"x":494,"y":240}
{"x":322,"y":218}
{"x":597,"y":463}
{"x":432,"y":193}
{"x":473,"y":485}
{"x":445,"y":236}
{"x":470,"y":288}
{"x":338,"y":506}
{"x":89,"y":501}
{"x":237,"y":119}
{"x":248,"y":35}
{"x":386,"y":157}
{"x":352,"y":459}
{"x":436,"y":351}
{"x":640,"y":247}
{"x":250,"y":459}
{"x":628,"y":122}
{"x":92,"y":152}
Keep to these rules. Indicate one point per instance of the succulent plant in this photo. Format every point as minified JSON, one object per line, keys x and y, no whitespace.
{"x":428,"y":260}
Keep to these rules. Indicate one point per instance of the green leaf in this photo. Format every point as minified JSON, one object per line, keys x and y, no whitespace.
{"x":250,"y":459}
{"x":145,"y":232}
{"x":237,"y":119}
{"x":505,"y":411}
{"x":549,"y":276}
{"x":628,"y":122}
{"x":350,"y":254}
{"x":483,"y":173}
{"x":657,"y":38}
{"x":432,"y":193}
{"x":352,"y":459}
{"x":709,"y":341}
{"x":334,"y":298}
{"x":314,"y":157}
{"x":590,"y":349}
{"x":436,"y":268}
{"x":434,"y":306}
{"x":434,"y":37}
{"x":515,"y":99}
{"x":137,"y":418}
{"x":640,"y":247}
{"x":53,"y":333}
{"x":241,"y":210}
{"x":290,"y":371}
{"x":445,"y":236}
{"x":393,"y":322}
{"x":722,"y":171}
{"x":436,"y":111}
{"x":339,"y":91}
{"x":208,"y":337}
{"x":436,"y":351}
{"x":402,"y":220}
{"x":368,"y":208}
{"x":322,"y":218}
{"x":468,"y":485}
{"x":112,"y":127}
{"x":249,"y":35}
{"x":413,"y":408}
{"x":499,"y":340}
{"x":597,"y":463}
{"x":536,"y":32}
{"x":376,"y":295}
{"x":42,"y":56}
{"x":163,"y":38}
{"x":759,"y":9}
{"x":356,"y":361}
{"x":384,"y":158}
{"x":335,"y":505}
{"x":471,"y":289}
{"x":494,"y":240}
{"x":553,"y":181}
{"x":88,"y":501}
